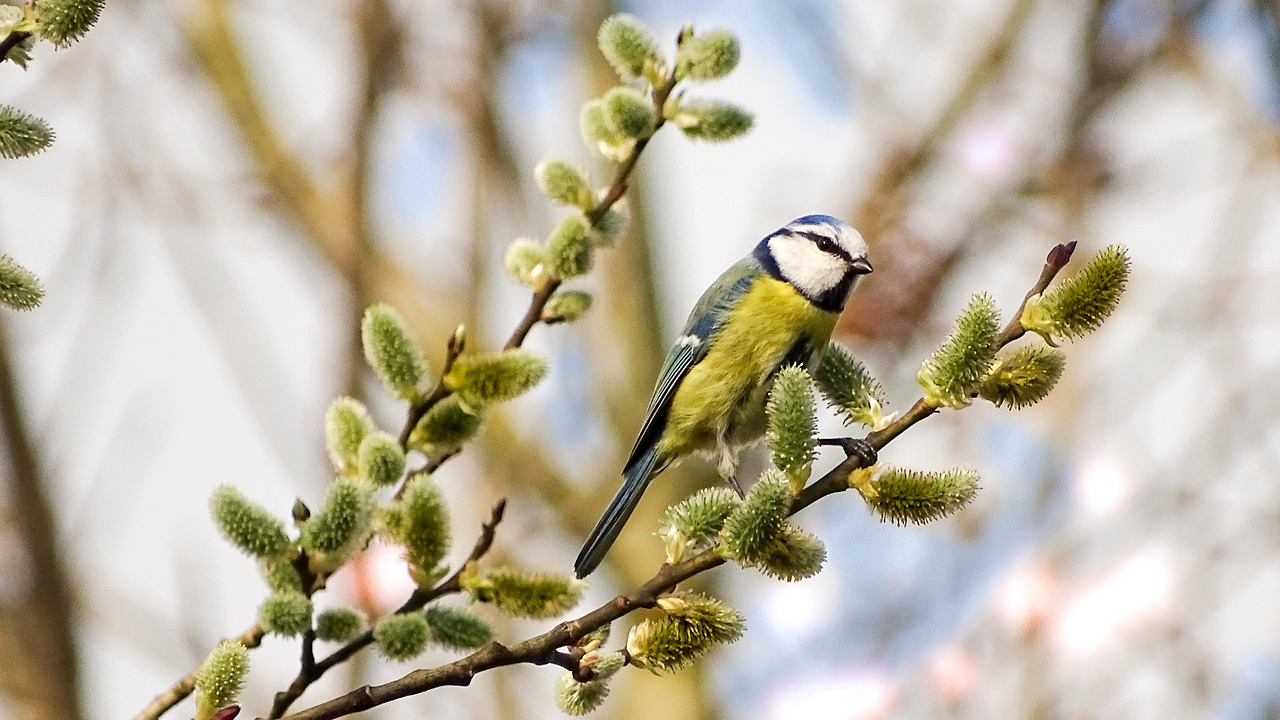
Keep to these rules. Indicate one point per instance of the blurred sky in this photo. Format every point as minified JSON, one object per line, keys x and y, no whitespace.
{"x":1121,"y":560}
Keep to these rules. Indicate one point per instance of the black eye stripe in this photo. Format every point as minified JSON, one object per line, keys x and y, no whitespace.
{"x":826,"y":244}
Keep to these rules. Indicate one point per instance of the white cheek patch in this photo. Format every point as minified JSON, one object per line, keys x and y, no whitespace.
{"x":802,"y":264}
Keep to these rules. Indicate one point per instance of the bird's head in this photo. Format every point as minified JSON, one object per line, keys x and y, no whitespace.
{"x":819,"y":255}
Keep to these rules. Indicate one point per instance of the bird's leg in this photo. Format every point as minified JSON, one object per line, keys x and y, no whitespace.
{"x":854,"y":447}
{"x":728,"y":464}
{"x":733,"y":483}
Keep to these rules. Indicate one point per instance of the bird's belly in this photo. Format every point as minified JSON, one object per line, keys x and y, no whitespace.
{"x":722,"y":398}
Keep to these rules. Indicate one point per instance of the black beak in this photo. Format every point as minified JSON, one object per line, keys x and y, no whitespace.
{"x":861,"y":266}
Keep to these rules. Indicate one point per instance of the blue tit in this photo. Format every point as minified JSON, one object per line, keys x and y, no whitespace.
{"x":775,"y":307}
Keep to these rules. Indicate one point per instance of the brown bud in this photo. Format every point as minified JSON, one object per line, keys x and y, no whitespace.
{"x":1060,"y":255}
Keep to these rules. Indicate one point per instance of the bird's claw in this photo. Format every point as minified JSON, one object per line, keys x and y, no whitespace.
{"x":854,"y":447}
{"x":863,"y":450}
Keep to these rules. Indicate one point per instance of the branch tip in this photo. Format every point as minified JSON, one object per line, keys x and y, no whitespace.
{"x":1060,"y":255}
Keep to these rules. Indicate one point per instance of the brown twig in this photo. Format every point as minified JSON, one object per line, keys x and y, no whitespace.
{"x":315,"y":669}
{"x":543,"y":295}
{"x":617,"y":189}
{"x":457,"y":343}
{"x":250,"y":638}
{"x":1058,"y":257}
{"x":837,"y":479}
{"x":539,"y":650}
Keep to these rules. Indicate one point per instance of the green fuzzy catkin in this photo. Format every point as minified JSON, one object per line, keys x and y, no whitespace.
{"x":910,"y":496}
{"x":610,"y":226}
{"x":446,"y":426}
{"x":480,"y":379}
{"x":221,"y":678}
{"x":342,"y":525}
{"x":280,"y":574}
{"x":338,"y":625}
{"x":402,"y":637}
{"x":569,"y":249}
{"x":629,"y":113}
{"x":286,"y":613}
{"x":566,"y":306}
{"x":19,"y":289}
{"x":693,"y":525}
{"x":793,"y":555}
{"x":710,"y":56}
{"x":579,"y":698}
{"x":391,"y":351}
{"x":755,"y":523}
{"x":62,"y":22}
{"x":22,"y":134}
{"x":693,"y":624}
{"x":1024,"y":378}
{"x":951,"y":375}
{"x":525,"y":262}
{"x":628,"y":45}
{"x":454,"y":628}
{"x":419,"y":521}
{"x":1078,"y":305}
{"x":564,"y":184}
{"x":847,"y":385}
{"x":346,"y":424}
{"x":537,"y":596}
{"x":380,"y":459}
{"x":712,"y":120}
{"x":599,"y":136}
{"x":249,"y":527}
{"x":793,"y":425}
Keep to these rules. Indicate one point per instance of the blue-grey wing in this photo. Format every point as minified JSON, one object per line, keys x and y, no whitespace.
{"x":691,"y":347}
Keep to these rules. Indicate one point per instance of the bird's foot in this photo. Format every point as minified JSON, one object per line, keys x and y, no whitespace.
{"x":733,"y":483}
{"x":854,"y":447}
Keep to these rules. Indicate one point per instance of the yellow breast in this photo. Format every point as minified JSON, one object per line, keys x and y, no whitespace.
{"x":723,"y":395}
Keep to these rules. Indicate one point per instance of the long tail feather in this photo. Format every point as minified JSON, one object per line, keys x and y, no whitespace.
{"x":636,"y":479}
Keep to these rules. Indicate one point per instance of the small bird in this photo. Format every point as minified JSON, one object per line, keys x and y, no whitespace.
{"x":775,"y":307}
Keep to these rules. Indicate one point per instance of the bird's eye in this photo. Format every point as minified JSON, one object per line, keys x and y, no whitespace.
{"x":825,"y":245}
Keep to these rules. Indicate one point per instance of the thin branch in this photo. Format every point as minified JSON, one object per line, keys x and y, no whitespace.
{"x":1058,"y":258}
{"x":165,"y":701}
{"x":542,"y":295}
{"x":544,"y":649}
{"x":617,"y":189}
{"x":313,"y":671}
{"x":539,"y":650}
{"x":454,"y":348}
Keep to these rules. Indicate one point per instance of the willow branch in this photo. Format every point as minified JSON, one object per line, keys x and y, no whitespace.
{"x":539,"y":650}
{"x":538,"y":303}
{"x":312,"y":671}
{"x":617,"y":189}
{"x":165,"y":701}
